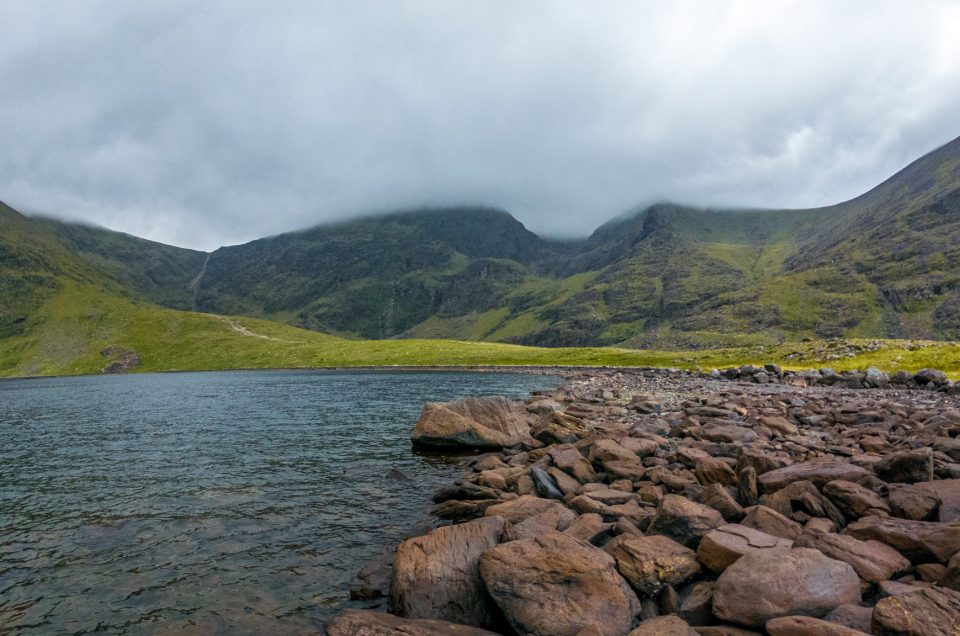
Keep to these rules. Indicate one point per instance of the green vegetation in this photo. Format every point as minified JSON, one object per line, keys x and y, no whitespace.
{"x":80,"y":322}
{"x":668,"y":284}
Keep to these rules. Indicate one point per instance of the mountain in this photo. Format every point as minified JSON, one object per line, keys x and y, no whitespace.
{"x":885,"y":264}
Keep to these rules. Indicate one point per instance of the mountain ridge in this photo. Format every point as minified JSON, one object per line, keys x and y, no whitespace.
{"x":881,"y":264}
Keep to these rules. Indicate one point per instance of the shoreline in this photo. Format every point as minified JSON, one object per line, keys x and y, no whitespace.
{"x":641,"y":470}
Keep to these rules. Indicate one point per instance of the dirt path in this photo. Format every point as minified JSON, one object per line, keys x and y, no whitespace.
{"x":246,"y":332}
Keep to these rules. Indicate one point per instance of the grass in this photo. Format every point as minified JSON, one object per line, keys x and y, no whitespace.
{"x":76,"y":324}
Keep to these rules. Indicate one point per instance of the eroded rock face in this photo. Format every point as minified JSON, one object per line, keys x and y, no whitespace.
{"x":354,"y":622}
{"x":651,"y":563}
{"x":438,"y":576}
{"x":555,"y":585}
{"x":485,"y":422}
{"x":930,"y":612}
{"x":772,"y":583}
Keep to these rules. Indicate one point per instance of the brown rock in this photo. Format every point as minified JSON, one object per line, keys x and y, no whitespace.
{"x":567,"y":484}
{"x":719,"y":498}
{"x":560,"y":428}
{"x":779,"y":425}
{"x":951,"y":575}
{"x":948,"y":491}
{"x":696,"y":602}
{"x":653,"y":562}
{"x":520,"y":508}
{"x":747,"y":486}
{"x":353,"y":622}
{"x":772,"y":583}
{"x":555,"y":585}
{"x":772,"y":522}
{"x":590,"y":528}
{"x":724,"y":630}
{"x":558,"y":518}
{"x":485,"y":422}
{"x":853,"y":500}
{"x":663,"y":626}
{"x":720,"y":548}
{"x":907,"y":501}
{"x":906,"y":467}
{"x":608,"y":450}
{"x":632,"y":470}
{"x":436,"y":575}
{"x":853,"y":616}
{"x":919,"y":541}
{"x":930,"y":612}
{"x":683,"y":520}
{"x":728,"y":433}
{"x":807,"y":626}
{"x":711,"y":470}
{"x":758,"y":459}
{"x":569,"y":459}
{"x":872,"y":560}
{"x":820,"y":473}
{"x":800,"y":501}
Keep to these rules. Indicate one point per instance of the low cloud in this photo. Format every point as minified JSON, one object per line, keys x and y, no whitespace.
{"x":202,"y":124}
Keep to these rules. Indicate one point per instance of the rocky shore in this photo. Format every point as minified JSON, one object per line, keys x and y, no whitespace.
{"x":652,"y":502}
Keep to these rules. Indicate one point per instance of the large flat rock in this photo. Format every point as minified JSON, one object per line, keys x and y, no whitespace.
{"x":485,"y":422}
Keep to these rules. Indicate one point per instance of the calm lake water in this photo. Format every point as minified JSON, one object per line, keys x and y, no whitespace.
{"x":233,"y":502}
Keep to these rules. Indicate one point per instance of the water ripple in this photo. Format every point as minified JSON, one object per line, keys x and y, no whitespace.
{"x":208,"y":502}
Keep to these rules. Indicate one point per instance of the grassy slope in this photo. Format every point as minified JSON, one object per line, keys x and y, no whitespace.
{"x":79,"y":321}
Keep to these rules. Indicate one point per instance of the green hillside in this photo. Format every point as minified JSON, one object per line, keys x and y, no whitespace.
{"x":82,"y":329}
{"x":664,"y":278}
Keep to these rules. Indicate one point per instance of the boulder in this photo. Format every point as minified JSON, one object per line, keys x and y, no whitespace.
{"x":590,"y":528}
{"x":854,"y":500}
{"x":853,"y":616}
{"x":354,"y":622}
{"x":906,"y":467}
{"x":807,"y":626}
{"x":907,"y":501}
{"x":872,"y":560}
{"x":683,"y":520}
{"x":929,"y":612}
{"x":923,"y":377}
{"x":544,"y":483}
{"x":719,"y":498}
{"x":728,"y":433}
{"x":819,"y":472}
{"x":568,"y":459}
{"x":485,"y":422}
{"x":720,"y":548}
{"x":671,"y":625}
{"x":948,"y":491}
{"x":801,"y":501}
{"x":518,"y":509}
{"x":555,"y":585}
{"x":772,"y":522}
{"x":557,"y":518}
{"x":771,"y":583}
{"x":711,"y":470}
{"x":653,"y":562}
{"x":437,"y":575}
{"x":632,"y":469}
{"x":560,"y":428}
{"x":919,"y":541}
{"x":609,"y":450}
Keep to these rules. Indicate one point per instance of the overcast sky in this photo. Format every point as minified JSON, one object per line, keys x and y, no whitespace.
{"x":210,"y":123}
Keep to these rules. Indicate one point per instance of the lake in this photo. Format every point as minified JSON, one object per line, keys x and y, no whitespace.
{"x":222,"y":502}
